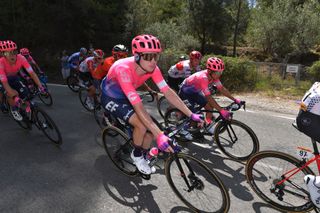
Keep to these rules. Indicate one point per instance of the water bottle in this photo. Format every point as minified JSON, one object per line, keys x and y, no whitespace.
{"x":151,"y":155}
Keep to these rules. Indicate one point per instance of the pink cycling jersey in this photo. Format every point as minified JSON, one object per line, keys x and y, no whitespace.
{"x":7,"y":69}
{"x":199,"y":82}
{"x":123,"y":76}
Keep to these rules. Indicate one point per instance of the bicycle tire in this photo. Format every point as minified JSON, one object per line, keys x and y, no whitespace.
{"x":163,"y":106}
{"x":202,"y":192}
{"x":98,"y":114}
{"x":118,"y":146}
{"x":45,"y":123}
{"x":246,"y":143}
{"x":73,"y":83}
{"x":83,"y":95}
{"x":173,"y":117}
{"x":25,"y":123}
{"x":260,"y":171}
{"x":46,"y":99}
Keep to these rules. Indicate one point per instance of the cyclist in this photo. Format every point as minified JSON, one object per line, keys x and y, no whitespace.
{"x":120,"y":98}
{"x":118,"y":51}
{"x":10,"y":65}
{"x":195,"y":90}
{"x":76,"y":58}
{"x":183,"y":69}
{"x":27,"y":54}
{"x":86,"y":69}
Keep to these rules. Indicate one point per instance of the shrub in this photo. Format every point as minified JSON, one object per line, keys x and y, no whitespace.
{"x":314,"y":71}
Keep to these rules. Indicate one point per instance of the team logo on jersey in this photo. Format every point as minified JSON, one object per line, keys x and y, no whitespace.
{"x":124,"y":77}
{"x":132,"y":96}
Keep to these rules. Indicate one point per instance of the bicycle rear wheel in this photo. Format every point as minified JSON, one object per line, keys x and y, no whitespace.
{"x":46,"y":99}
{"x":265,"y":169}
{"x":236,"y":140}
{"x":174,"y":117}
{"x":196,"y":185}
{"x":73,"y":83}
{"x":118,"y":147}
{"x":47,"y":126}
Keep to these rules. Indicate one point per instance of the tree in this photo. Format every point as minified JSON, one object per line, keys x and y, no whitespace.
{"x":285,"y":27}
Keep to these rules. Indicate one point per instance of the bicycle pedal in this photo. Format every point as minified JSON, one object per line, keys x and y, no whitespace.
{"x":144,"y":176}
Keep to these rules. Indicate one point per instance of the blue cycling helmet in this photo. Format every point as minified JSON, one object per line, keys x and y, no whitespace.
{"x":83,"y":50}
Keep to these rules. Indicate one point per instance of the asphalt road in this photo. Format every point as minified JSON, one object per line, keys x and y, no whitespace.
{"x":36,"y":176}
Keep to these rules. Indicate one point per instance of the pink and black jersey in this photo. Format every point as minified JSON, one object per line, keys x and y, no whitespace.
{"x":122,"y":81}
{"x":7,"y":70}
{"x":199,"y":83}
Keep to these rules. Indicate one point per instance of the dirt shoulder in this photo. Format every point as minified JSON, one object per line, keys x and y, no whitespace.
{"x":263,"y":102}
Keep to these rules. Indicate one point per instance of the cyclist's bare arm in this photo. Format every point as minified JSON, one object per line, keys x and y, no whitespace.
{"x":175,"y":100}
{"x":146,"y":119}
{"x":35,"y":78}
{"x":213,"y":103}
{"x":226,"y":93}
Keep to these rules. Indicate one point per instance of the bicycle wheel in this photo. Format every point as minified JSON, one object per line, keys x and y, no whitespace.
{"x":83,"y":95}
{"x":46,"y":99}
{"x":265,"y":169}
{"x":25,"y":123}
{"x":47,"y":126}
{"x":196,"y":185}
{"x":73,"y":83}
{"x":174,"y":117}
{"x":98,"y":114}
{"x":236,"y":140}
{"x":118,"y":147}
{"x":163,"y":106}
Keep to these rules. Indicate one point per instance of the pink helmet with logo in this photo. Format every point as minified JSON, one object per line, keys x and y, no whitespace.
{"x":215,"y":64}
{"x":195,"y":55}
{"x":24,"y":51}
{"x":146,"y":43}
{"x":8,"y":46}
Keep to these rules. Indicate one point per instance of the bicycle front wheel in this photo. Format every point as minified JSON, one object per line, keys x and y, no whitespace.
{"x":196,"y":185}
{"x":73,"y":83}
{"x":83,"y":95}
{"x":236,"y":140}
{"x":46,"y":99}
{"x":47,"y":126}
{"x":118,"y":147}
{"x":266,"y":169}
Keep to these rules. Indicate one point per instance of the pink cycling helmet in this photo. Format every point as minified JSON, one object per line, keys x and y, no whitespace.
{"x":98,"y":53}
{"x":215,"y":64}
{"x":8,"y":46}
{"x":195,"y":55}
{"x":146,"y":43}
{"x":24,"y":51}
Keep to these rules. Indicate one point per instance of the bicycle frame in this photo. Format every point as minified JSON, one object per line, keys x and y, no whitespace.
{"x":294,"y":171}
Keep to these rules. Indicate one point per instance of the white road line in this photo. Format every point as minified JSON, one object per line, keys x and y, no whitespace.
{"x":277,"y":116}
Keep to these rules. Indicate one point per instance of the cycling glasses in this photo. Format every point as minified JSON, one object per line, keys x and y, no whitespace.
{"x":10,"y":53}
{"x":150,"y":56}
{"x":121,"y":55}
{"x":215,"y":72}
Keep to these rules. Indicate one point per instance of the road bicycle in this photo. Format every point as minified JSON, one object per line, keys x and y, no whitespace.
{"x":84,"y":95}
{"x":234,"y":138}
{"x":192,"y":181}
{"x":36,"y":116}
{"x":278,"y":178}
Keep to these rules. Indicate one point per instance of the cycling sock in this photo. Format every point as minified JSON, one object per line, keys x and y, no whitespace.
{"x":137,"y":152}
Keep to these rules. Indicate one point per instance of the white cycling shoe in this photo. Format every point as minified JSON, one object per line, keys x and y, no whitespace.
{"x":16,"y":115}
{"x":142,"y":164}
{"x":313,"y":186}
{"x":89,"y":104}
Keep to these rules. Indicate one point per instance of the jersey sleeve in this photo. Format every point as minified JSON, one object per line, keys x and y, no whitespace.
{"x":218,"y":84}
{"x":159,"y":80}
{"x":26,"y":65}
{"x":125,"y":81}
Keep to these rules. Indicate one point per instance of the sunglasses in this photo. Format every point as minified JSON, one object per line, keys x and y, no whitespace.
{"x":121,"y":55}
{"x":215,"y":72}
{"x":10,"y":53}
{"x":150,"y":56}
